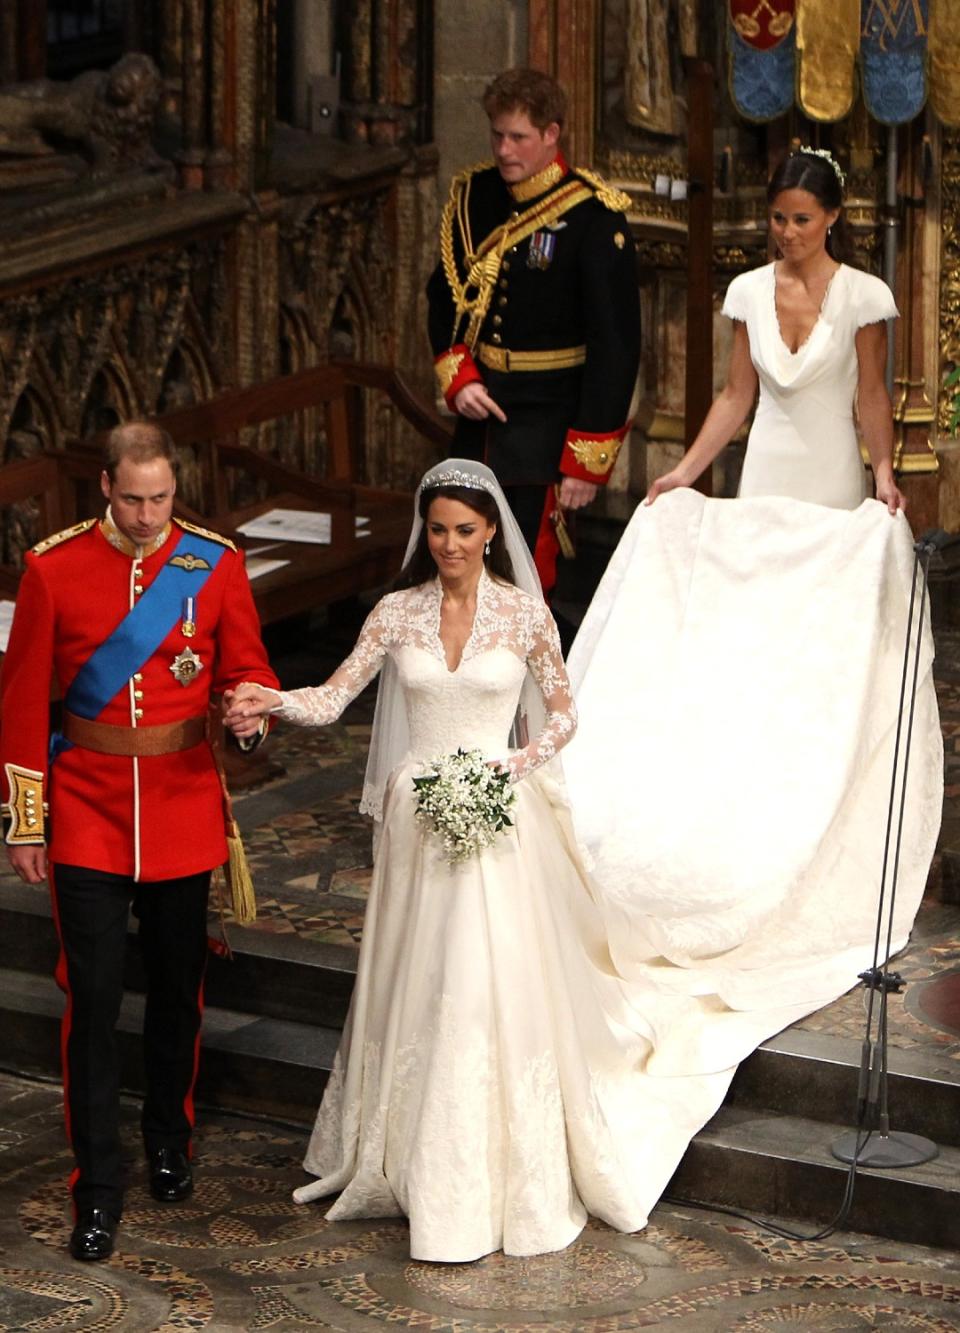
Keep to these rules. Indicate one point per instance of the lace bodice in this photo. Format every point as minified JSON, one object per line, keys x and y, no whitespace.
{"x":473,"y":706}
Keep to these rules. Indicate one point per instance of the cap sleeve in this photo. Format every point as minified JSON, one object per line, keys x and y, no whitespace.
{"x":874,"y":300}
{"x":736,"y":302}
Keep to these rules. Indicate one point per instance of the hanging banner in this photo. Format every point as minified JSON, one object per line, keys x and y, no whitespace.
{"x":943,"y":53}
{"x":762,"y":57}
{"x":828,"y":35}
{"x":893,"y":50}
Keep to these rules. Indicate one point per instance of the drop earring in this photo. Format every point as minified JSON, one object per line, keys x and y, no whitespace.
{"x":486,"y":548}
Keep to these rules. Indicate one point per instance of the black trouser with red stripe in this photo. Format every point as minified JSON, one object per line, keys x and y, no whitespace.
{"x":91,"y":909}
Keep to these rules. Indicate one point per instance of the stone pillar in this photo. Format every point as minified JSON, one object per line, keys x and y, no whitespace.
{"x":219,"y":165}
{"x":193,"y":96}
{"x":474,"y":43}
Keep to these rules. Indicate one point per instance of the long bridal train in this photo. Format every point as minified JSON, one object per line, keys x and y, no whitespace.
{"x":530,"y":1040}
{"x":737,"y":678}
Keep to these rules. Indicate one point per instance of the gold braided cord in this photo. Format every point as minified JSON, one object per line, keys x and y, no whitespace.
{"x":484,"y":267}
{"x":616,"y":200}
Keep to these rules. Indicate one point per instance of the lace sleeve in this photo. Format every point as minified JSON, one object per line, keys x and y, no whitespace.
{"x":316,"y":705}
{"x":545,"y":662}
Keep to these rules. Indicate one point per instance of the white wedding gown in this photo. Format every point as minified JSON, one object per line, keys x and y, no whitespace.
{"x":531,"y":1040}
{"x":487,"y":1084}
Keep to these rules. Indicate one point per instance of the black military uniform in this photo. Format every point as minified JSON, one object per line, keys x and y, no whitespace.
{"x":536,"y":296}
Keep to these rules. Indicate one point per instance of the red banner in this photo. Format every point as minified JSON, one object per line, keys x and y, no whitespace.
{"x":762,"y":24}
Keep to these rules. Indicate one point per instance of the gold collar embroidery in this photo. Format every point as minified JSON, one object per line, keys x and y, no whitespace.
{"x":122,"y":543}
{"x":536,"y":185}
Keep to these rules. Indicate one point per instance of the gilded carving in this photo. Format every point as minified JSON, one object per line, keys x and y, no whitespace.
{"x":949,"y":269}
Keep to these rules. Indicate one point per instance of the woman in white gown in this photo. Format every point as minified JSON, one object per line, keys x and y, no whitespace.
{"x":524,"y":1047}
{"x":810,"y":329}
{"x":483,"y":1085}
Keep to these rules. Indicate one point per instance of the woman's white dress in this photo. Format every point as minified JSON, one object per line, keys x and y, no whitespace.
{"x":486,"y":1085}
{"x":803,"y":442}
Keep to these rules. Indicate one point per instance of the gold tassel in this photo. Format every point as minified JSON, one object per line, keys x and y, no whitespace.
{"x":243,"y":899}
{"x":564,"y":538}
{"x":235,"y":873}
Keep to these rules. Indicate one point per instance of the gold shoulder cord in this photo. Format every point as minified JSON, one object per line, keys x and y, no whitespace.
{"x":484,"y":267}
{"x":616,"y":200}
{"x":456,"y":207}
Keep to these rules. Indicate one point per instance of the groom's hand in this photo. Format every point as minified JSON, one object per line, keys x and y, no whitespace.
{"x":474,"y":402}
{"x":574,"y":493}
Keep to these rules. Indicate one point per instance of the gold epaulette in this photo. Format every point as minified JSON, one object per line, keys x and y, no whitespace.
{"x":205,"y":532}
{"x":616,"y":200}
{"x":58,"y":538}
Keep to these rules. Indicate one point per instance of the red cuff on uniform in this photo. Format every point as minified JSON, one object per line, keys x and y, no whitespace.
{"x":453,"y":370}
{"x":590,"y":456}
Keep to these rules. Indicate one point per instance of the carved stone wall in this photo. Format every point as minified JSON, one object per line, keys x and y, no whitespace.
{"x":246,"y":248}
{"x":134,"y":338}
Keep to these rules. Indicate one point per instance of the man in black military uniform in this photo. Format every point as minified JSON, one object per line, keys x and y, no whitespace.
{"x":534,"y":314}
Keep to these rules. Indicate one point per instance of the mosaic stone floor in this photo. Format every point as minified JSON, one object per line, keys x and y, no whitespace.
{"x":240,"y":1256}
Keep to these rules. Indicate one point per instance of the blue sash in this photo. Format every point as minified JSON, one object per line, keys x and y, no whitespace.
{"x":142,"y":629}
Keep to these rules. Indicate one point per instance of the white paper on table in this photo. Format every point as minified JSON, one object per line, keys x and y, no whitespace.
{"x":6,"y":620}
{"x":290,"y":525}
{"x":257,"y":566}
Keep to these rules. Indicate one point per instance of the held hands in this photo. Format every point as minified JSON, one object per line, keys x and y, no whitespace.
{"x":245,"y":706}
{"x":474,"y":402}
{"x":29,"y":860}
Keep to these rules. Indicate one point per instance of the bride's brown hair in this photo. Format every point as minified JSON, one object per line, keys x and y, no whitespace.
{"x":420,"y":568}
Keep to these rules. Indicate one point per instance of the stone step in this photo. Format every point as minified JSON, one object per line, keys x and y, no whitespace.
{"x":263,"y":1066}
{"x":781,"y":1166}
{"x":285,"y":979}
{"x":752,"y":1159}
{"x":816,"y":1076}
{"x":270,"y":975}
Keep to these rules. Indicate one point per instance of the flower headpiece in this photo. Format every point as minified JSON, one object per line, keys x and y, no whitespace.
{"x":827,"y":157}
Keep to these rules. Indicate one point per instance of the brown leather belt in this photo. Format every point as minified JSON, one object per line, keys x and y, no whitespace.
{"x":105,"y":738}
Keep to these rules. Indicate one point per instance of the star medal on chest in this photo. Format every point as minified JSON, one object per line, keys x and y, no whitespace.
{"x":186,"y":666}
{"x":542,"y":246}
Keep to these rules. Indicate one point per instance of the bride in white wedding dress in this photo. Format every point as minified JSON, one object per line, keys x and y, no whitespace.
{"x":531,"y":1041}
{"x":487,"y":1082}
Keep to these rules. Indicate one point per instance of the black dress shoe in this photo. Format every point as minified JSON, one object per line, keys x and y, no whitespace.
{"x":94,"y":1234}
{"x":171,"y":1178}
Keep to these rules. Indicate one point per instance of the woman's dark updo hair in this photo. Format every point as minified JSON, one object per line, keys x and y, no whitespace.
{"x":421,"y":567}
{"x":810,"y":172}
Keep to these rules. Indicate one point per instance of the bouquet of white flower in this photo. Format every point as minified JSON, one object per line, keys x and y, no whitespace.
{"x":465,"y":802}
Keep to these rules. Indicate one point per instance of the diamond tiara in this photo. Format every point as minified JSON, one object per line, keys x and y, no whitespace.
{"x":827,"y":157}
{"x":454,"y":477}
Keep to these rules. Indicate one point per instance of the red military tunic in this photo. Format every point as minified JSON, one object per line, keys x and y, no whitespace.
{"x":149,"y":817}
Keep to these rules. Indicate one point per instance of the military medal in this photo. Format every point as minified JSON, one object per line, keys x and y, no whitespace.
{"x":188,"y":628}
{"x":186,"y":666}
{"x":542,"y":246}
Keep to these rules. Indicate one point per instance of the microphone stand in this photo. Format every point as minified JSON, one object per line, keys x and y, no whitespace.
{"x":873,"y":1143}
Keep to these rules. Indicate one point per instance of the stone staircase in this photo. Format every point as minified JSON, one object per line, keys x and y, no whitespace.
{"x":272,"y":1023}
